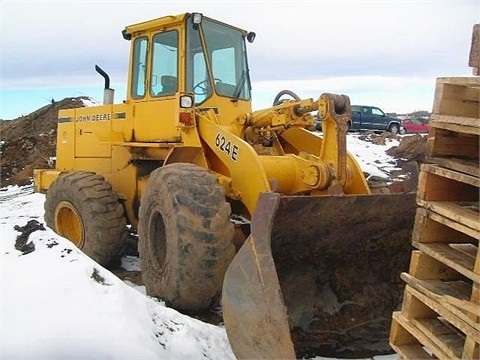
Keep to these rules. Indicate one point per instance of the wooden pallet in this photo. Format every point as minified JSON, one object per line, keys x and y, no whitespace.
{"x":455,"y":121}
{"x":457,"y":97}
{"x":451,"y":194}
{"x":440,"y":311}
{"x":440,"y":314}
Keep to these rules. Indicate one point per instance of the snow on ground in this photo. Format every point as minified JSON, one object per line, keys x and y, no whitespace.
{"x":56,"y":303}
{"x":372,"y":158}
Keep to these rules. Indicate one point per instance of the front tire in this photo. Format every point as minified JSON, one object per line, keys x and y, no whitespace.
{"x":394,"y":129}
{"x":82,"y":207}
{"x":185,"y":236}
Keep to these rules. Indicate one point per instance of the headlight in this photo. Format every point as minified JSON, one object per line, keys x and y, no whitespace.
{"x":196,"y":18}
{"x":186,"y":101}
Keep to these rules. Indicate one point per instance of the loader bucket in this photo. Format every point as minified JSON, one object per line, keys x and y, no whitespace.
{"x":318,"y":276}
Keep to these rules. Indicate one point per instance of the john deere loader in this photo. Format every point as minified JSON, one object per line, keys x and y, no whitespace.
{"x":248,"y":206}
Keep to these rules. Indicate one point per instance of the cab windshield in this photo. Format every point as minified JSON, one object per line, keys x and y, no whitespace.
{"x":219,"y":64}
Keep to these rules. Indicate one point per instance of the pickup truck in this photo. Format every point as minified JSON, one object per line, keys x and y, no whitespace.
{"x":374,"y":119}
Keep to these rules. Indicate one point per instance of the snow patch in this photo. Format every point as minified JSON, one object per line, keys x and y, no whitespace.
{"x":130,"y":263}
{"x":56,"y":302}
{"x":89,"y":102}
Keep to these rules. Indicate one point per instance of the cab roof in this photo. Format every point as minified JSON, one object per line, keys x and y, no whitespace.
{"x":156,"y":23}
{"x":169,"y":20}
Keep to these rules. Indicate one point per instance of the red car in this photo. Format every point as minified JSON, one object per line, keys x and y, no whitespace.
{"x":411,"y":126}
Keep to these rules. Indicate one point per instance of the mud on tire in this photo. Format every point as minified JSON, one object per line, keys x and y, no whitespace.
{"x":185,"y":236}
{"x":83,"y":207}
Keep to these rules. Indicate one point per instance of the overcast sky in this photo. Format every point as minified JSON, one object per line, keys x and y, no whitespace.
{"x":385,"y":53}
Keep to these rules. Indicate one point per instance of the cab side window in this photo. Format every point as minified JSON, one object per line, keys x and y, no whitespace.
{"x":164,"y":76}
{"x":139,"y":70}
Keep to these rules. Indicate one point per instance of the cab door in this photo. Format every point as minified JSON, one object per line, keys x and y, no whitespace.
{"x":154,"y":82}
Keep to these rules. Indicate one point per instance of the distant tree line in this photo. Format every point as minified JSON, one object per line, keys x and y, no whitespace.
{"x":415,"y":114}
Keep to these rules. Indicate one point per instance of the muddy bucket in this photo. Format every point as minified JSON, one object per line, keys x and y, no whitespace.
{"x":319,"y":276}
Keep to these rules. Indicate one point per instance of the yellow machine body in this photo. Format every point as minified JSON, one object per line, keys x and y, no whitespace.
{"x":125,"y":142}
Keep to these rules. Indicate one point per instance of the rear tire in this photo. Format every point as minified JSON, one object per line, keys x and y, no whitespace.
{"x":83,"y":208}
{"x":185,"y":236}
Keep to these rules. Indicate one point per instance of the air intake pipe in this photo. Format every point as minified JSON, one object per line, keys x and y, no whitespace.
{"x":107,"y":92}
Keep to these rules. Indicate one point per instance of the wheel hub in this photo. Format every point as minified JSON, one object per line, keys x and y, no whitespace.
{"x":68,"y":223}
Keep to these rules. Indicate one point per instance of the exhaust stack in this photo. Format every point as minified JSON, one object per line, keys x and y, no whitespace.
{"x":108,"y":93}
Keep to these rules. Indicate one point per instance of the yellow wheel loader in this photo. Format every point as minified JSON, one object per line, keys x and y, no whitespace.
{"x":249,"y":206}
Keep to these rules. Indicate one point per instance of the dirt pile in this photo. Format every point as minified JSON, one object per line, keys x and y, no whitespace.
{"x":411,"y":147}
{"x":29,"y":142}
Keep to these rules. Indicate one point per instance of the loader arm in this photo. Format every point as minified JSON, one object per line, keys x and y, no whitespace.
{"x":328,"y":154}
{"x":295,"y":162}
{"x":243,"y":175}
{"x":335,"y":112}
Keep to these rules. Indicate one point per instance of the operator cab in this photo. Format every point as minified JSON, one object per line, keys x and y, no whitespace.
{"x":215,"y":59}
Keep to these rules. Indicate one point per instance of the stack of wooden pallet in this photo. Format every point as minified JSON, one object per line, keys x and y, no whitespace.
{"x":440,"y":314}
